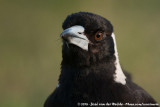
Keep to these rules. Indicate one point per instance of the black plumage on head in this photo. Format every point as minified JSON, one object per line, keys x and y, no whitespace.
{"x":90,"y":69}
{"x":98,"y":50}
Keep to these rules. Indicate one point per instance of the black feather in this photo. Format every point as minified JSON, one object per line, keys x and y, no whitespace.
{"x":87,"y":76}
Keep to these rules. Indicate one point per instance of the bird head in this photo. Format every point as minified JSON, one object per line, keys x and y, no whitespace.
{"x":88,"y":40}
{"x":88,"y":37}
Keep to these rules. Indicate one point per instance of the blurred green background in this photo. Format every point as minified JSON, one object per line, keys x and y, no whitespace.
{"x":30,"y":46}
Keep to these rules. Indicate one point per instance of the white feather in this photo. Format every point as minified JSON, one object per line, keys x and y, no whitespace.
{"x":119,"y":76}
{"x":58,"y":85}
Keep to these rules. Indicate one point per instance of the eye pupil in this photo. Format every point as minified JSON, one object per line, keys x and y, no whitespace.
{"x":98,"y":35}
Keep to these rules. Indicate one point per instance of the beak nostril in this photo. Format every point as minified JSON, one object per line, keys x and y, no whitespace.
{"x":79,"y":32}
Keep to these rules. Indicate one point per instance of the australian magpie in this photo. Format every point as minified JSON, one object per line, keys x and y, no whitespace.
{"x":91,"y":74}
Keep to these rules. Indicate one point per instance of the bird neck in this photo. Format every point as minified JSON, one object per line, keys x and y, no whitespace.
{"x":83,"y":75}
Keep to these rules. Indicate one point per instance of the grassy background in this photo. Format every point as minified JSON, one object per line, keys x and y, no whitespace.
{"x":30,"y":46}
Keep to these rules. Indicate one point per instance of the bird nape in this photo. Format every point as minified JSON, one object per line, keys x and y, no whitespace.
{"x":91,"y":74}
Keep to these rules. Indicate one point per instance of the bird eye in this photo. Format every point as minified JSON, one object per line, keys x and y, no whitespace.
{"x":98,"y":36}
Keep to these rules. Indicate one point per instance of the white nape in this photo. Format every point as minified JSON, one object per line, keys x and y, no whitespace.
{"x":58,"y":85}
{"x":119,"y":76}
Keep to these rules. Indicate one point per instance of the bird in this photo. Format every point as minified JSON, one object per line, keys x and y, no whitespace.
{"x":91,"y":74}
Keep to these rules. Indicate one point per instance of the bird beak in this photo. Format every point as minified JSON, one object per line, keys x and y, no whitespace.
{"x":75,"y":35}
